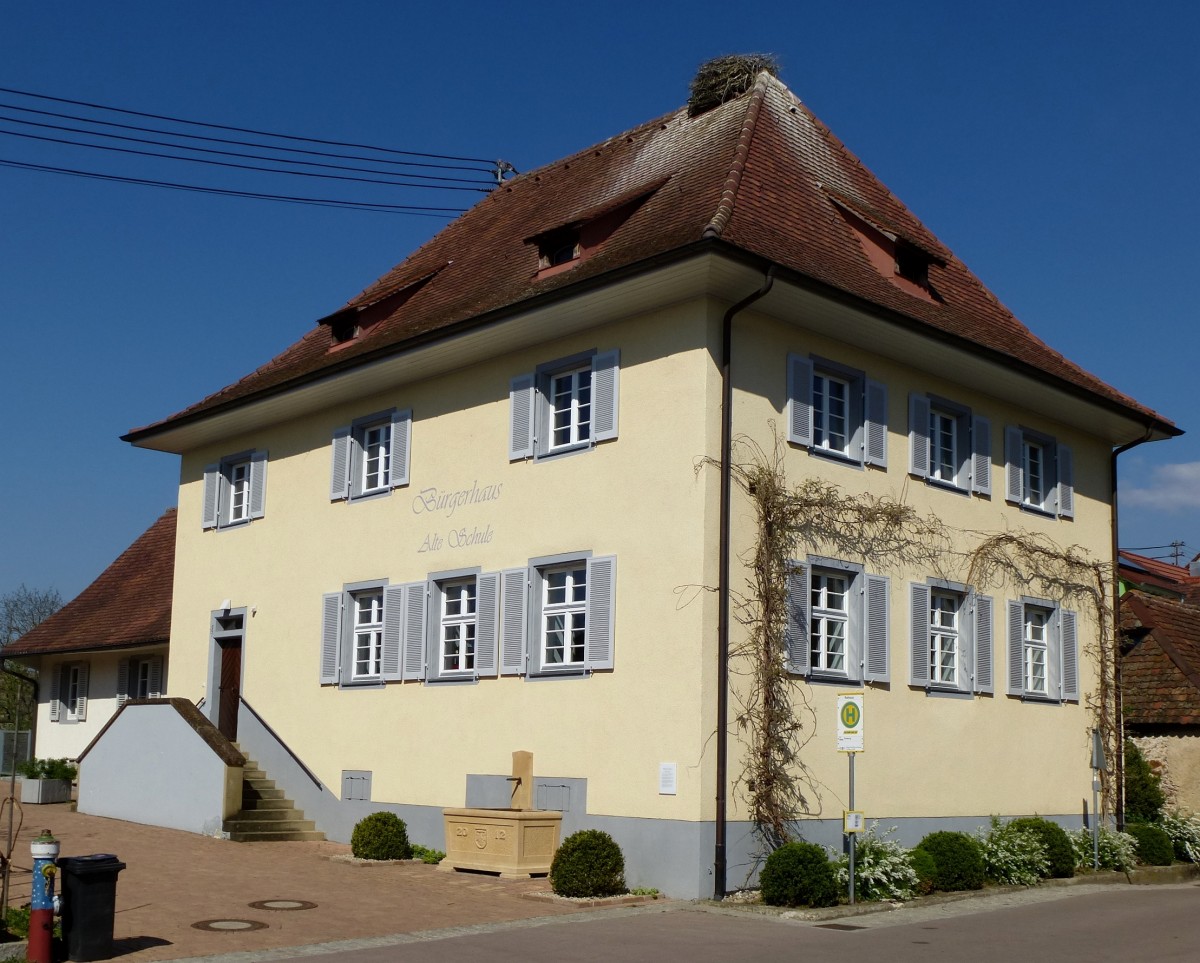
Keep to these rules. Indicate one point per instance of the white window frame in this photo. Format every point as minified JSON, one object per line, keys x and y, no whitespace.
{"x":136,"y":670}
{"x":1056,"y":494}
{"x":865,"y":616}
{"x":1042,"y":634}
{"x":371,"y":456}
{"x":864,"y":434}
{"x":570,"y":612}
{"x":973,"y":631}
{"x":969,"y":466}
{"x":535,"y":400}
{"x":829,"y":622}
{"x":369,"y":629}
{"x":946,"y":610}
{"x":69,"y":692}
{"x":235,"y":490}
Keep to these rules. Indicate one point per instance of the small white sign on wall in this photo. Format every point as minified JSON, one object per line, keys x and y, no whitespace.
{"x":667,"y":779}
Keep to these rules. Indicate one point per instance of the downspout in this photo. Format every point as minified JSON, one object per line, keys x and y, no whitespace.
{"x":719,"y":855}
{"x":1119,"y":761}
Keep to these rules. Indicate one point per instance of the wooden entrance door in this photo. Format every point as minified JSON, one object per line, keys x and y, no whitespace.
{"x":230,"y":687}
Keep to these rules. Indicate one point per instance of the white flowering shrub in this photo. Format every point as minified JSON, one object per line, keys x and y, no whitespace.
{"x":881,"y":868}
{"x":1184,"y":830}
{"x":1117,"y":850}
{"x":1013,"y":856}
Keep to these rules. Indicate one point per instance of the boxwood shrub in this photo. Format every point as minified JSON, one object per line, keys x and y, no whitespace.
{"x":1059,"y":850}
{"x":1154,"y":847}
{"x":798,"y":874}
{"x":959,"y":861}
{"x":381,"y":835}
{"x":588,"y":863}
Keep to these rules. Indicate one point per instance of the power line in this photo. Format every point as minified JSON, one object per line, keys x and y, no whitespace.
{"x":241,"y":130}
{"x":237,"y":143}
{"x":247,"y":167}
{"x":414,"y":210}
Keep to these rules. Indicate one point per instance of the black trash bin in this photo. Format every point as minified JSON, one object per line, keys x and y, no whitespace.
{"x":89,"y":902}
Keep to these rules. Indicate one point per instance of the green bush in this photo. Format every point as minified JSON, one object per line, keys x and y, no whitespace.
{"x":798,"y":874}
{"x":959,"y":860}
{"x":1144,"y":797}
{"x":881,"y":868}
{"x":1184,"y":830}
{"x":426,"y":855}
{"x":588,"y":863}
{"x":1059,"y":851}
{"x":1154,"y":847}
{"x":48,"y":769}
{"x":381,"y":835}
{"x":1015,"y":855}
{"x":1117,"y":850}
{"x":925,"y":867}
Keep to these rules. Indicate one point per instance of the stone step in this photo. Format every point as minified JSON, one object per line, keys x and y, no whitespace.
{"x":264,"y":805}
{"x":280,"y":837}
{"x":249,"y":792}
{"x":237,"y":824}
{"x":258,"y":783}
{"x":269,"y":815}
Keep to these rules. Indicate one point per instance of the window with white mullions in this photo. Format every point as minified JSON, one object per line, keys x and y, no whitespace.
{"x":1034,"y":457}
{"x":458,"y":626}
{"x":141,"y":681}
{"x":564,"y":616}
{"x":239,"y":492}
{"x":944,"y":610}
{"x":368,"y":634}
{"x":829,"y":620}
{"x":74,"y":692}
{"x":831,"y":409}
{"x":1036,"y":646}
{"x":376,"y":458}
{"x":571,"y":408}
{"x":943,"y":446}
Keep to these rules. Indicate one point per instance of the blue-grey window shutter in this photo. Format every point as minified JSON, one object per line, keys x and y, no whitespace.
{"x":1066,"y":482}
{"x":1069,"y":642}
{"x":212,"y":488}
{"x":981,"y":456}
{"x":799,"y":410}
{"x":331,"y":636}
{"x":601,"y":610}
{"x":513,"y":594}
{"x":339,"y":481}
{"x":393,"y":610}
{"x":984,"y":681}
{"x":487,"y":611}
{"x":918,"y":616}
{"x":401,"y":443}
{"x":877,"y":423}
{"x":412,"y":630}
{"x":1014,"y":464}
{"x":56,"y":687}
{"x":1016,"y":648}
{"x":122,"y":682}
{"x":520,"y":433}
{"x":876,"y":661}
{"x":796,"y":641}
{"x":918,"y":435}
{"x":606,"y":378}
{"x":81,"y":703}
{"x":258,"y":484}
{"x":156,"y":677}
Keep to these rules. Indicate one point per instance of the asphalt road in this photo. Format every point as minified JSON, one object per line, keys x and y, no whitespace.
{"x":1120,"y":923}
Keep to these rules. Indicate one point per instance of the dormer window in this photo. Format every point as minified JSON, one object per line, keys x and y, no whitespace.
{"x":344,"y":329}
{"x":897,"y":259}
{"x":912,"y":264}
{"x":559,"y":247}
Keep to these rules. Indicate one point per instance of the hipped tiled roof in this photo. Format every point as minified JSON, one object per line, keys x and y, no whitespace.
{"x":1153,"y":573}
{"x":759,"y":174}
{"x":129,"y":604}
{"x":1160,"y":674}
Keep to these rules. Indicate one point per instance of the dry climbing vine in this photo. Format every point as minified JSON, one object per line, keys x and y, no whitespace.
{"x":773,"y":712}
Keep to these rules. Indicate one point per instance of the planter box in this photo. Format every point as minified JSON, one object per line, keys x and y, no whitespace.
{"x":511,"y":842}
{"x":45,"y":790}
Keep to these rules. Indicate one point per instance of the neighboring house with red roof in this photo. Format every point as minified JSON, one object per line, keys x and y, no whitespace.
{"x":1160,"y":670}
{"x":477,"y":509}
{"x":107,"y":645}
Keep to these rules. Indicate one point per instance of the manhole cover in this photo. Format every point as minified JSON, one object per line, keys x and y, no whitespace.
{"x":839,"y":926}
{"x":282,"y":904}
{"x":229,"y":926}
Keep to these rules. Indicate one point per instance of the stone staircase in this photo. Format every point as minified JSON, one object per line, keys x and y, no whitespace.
{"x":267,"y":815}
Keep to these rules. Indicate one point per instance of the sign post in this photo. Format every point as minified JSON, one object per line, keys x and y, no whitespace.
{"x":850,"y":741}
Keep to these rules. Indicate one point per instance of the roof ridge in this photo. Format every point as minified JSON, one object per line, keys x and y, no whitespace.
{"x":741,"y":152}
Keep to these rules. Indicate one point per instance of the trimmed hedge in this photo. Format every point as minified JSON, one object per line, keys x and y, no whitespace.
{"x":1154,"y":846}
{"x":925,"y":866}
{"x":1059,"y":850}
{"x":381,"y":835}
{"x":799,"y":874}
{"x":959,"y":861}
{"x":588,"y":863}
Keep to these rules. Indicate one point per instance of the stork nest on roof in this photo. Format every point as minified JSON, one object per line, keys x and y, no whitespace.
{"x":724,"y":78}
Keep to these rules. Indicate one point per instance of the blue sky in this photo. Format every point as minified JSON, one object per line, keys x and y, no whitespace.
{"x":1053,"y":147}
